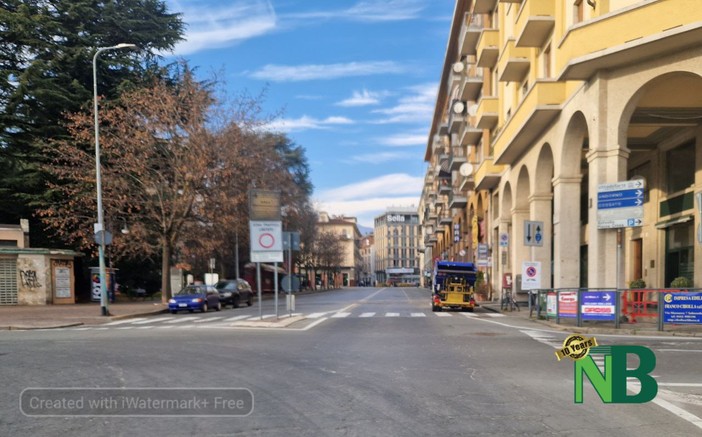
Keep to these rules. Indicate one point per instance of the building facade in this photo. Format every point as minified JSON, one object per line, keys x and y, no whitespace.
{"x":346,"y":228}
{"x":367,"y":274}
{"x":544,"y":107}
{"x":397,"y":235}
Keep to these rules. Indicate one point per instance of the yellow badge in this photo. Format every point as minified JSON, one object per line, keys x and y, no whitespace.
{"x":576,"y":347}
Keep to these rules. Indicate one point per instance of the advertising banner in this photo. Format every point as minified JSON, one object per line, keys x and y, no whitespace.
{"x":598,"y":305}
{"x":568,"y":304}
{"x":682,"y":308}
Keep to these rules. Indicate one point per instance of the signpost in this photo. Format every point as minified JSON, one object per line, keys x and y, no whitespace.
{"x":620,"y":204}
{"x":533,"y":233}
{"x":266,"y":236}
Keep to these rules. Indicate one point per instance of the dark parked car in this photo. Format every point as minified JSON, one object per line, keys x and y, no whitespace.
{"x":234,"y":291}
{"x":195,"y":297}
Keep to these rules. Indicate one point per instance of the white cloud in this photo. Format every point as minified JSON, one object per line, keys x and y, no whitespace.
{"x":296,"y":73}
{"x":211,"y":25}
{"x":406,"y":139}
{"x":387,"y":185}
{"x":305,"y":122}
{"x":362,"y":98}
{"x":369,"y":11}
{"x":415,"y":107}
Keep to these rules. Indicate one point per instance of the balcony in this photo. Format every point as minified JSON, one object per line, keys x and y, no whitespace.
{"x":444,"y":185}
{"x":484,"y":6}
{"x":430,"y":239}
{"x":470,"y":34}
{"x":445,"y":219}
{"x":472,"y":84}
{"x":467,"y":183}
{"x":488,"y":48}
{"x":535,"y":23}
{"x":457,"y":199}
{"x":488,"y":175}
{"x":640,"y":32}
{"x":470,"y":135}
{"x":440,"y":229}
{"x":514,"y":62}
{"x":540,"y":106}
{"x":458,"y":158}
{"x":456,"y":77}
{"x":457,"y":116}
{"x":443,"y":129}
{"x":486,"y":115}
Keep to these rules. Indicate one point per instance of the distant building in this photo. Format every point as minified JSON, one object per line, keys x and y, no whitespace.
{"x":396,"y":239}
{"x":33,"y":276}
{"x":367,"y":275}
{"x":347,"y":230}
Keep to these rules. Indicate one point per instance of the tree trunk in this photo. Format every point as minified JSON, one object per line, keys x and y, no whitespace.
{"x":166,"y":272}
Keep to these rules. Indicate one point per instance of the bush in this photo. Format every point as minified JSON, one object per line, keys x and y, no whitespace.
{"x":681,"y":282}
{"x":637,"y":283}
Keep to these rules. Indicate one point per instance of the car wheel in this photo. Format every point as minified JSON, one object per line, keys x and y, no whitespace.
{"x":235,"y":302}
{"x":436,"y":309}
{"x":250,"y":301}
{"x":204,"y":308}
{"x":219,"y":306}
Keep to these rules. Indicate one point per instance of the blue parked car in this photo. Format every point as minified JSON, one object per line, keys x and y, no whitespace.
{"x":195,"y":297}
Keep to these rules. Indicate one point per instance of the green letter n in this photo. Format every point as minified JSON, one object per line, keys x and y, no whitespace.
{"x":602,"y":383}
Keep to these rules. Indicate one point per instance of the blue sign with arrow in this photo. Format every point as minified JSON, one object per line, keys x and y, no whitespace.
{"x":620,"y":204}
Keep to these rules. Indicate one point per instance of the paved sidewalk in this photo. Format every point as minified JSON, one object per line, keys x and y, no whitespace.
{"x":625,"y":328}
{"x":59,"y":316}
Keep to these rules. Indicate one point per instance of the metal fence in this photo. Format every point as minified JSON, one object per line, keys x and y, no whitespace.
{"x":659,"y":306}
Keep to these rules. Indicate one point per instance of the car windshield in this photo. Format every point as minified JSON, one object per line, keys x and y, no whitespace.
{"x":225,"y":286}
{"x":190,"y":290}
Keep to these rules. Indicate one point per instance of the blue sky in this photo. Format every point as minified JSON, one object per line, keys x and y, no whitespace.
{"x":354,"y":81}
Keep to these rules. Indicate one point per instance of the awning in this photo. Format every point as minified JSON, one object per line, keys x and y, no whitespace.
{"x":667,"y":223}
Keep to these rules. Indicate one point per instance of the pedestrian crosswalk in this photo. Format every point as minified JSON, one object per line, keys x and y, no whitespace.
{"x":222,"y":321}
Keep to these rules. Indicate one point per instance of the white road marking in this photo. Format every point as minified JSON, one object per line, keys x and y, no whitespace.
{"x":367,"y":315}
{"x":392,"y":314}
{"x":121,"y":322}
{"x":340,"y":315}
{"x":158,"y":319}
{"x":418,"y":315}
{"x":442,"y":314}
{"x":313,"y":324}
{"x":495,"y":315}
{"x":316,"y":315}
{"x":126,"y":327}
{"x":183,"y":319}
{"x":679,"y":350}
{"x":234,"y":319}
{"x":469,"y":315}
{"x":209,"y":319}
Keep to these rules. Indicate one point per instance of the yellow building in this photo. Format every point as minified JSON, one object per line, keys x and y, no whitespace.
{"x":581,"y":118}
{"x":346,"y":228}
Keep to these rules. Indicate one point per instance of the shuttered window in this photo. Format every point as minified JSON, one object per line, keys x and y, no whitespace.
{"x":8,"y":282}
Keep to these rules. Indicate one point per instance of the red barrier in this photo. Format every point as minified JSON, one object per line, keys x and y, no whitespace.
{"x":640,"y":303}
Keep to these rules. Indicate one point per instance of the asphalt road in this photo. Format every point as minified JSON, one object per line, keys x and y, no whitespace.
{"x":364,"y":362}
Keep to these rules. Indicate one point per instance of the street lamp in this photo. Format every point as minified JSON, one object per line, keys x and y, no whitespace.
{"x":100,"y":225}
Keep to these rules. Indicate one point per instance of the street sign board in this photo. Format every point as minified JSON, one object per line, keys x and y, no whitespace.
{"x":531,"y":275}
{"x":504,"y":239}
{"x":264,"y":205}
{"x":291,"y":240}
{"x":620,"y":204}
{"x":533,"y":233}
{"x":266,"y":241}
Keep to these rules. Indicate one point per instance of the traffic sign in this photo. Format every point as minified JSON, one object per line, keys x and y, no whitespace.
{"x":266,"y":241}
{"x":504,"y":239}
{"x":620,"y":204}
{"x":533,"y":233}
{"x":531,"y":275}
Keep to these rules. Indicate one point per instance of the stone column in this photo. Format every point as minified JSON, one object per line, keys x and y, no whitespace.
{"x":566,"y":232}
{"x":540,"y":206}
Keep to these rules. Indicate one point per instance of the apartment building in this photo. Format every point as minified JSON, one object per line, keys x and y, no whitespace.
{"x":547,"y":107}
{"x":349,"y":235}
{"x":367,"y":274}
{"x":397,"y":237}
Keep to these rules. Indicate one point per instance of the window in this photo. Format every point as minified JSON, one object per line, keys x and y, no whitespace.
{"x":546,"y":62}
{"x":680,"y":167}
{"x":578,"y":11}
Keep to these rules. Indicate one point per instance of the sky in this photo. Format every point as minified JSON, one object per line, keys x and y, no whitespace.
{"x":354,"y":82}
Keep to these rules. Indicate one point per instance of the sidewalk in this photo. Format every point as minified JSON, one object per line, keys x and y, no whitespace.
{"x":569,"y":325}
{"x":60,"y":316}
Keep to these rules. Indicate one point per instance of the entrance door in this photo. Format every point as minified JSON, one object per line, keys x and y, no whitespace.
{"x":680,"y":252}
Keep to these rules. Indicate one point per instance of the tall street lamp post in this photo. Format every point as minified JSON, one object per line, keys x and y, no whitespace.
{"x":100,"y":225}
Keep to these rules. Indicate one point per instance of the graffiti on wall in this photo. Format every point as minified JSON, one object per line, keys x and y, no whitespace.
{"x":29,"y":278}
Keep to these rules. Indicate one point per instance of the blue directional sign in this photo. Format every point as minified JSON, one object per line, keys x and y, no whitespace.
{"x":620,"y":204}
